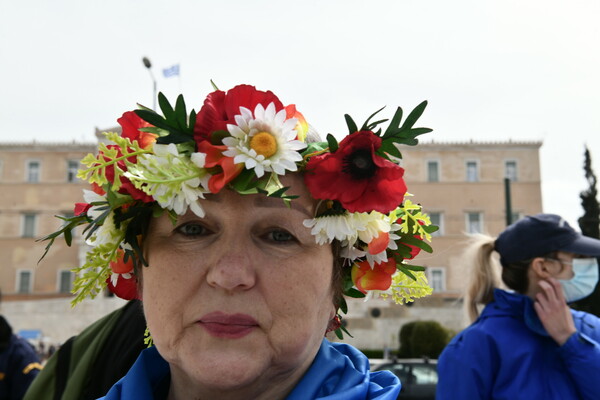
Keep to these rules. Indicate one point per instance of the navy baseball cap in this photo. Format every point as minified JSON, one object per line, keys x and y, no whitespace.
{"x":541,"y":234}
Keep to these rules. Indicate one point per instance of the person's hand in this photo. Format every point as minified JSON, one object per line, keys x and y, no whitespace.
{"x":552,"y":309}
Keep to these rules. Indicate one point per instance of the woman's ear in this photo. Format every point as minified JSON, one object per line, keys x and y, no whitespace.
{"x":539,"y":268}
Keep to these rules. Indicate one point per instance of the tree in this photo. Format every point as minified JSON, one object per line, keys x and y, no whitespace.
{"x":589,"y":223}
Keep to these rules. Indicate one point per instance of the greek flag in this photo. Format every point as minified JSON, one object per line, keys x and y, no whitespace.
{"x":173,"y":70}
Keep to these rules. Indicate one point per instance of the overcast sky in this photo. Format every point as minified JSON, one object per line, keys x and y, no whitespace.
{"x":491,"y":70}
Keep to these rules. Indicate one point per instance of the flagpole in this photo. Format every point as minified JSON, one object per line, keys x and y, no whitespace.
{"x":148,"y":65}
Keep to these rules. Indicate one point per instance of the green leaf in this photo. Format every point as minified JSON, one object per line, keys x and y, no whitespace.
{"x":154,"y":119}
{"x":414,"y":115}
{"x":68,"y":237}
{"x":394,"y":123}
{"x":373,"y":125}
{"x":192,"y":120}
{"x":406,"y":271}
{"x":343,"y":305}
{"x":414,"y":267}
{"x":357,"y":294}
{"x":366,"y":125}
{"x":314,"y":147}
{"x":387,"y":146}
{"x":431,"y":228}
{"x":345,"y":331}
{"x":351,"y":124}
{"x":413,"y":241}
{"x":244,"y":181}
{"x":165,"y":106}
{"x":213,"y":85}
{"x":181,"y":114}
{"x":332,"y":142}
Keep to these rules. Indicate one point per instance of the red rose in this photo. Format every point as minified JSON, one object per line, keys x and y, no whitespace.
{"x":220,"y":109}
{"x":131,"y":124}
{"x":355,"y":176}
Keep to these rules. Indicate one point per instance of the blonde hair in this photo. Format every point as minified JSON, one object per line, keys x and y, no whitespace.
{"x":484,"y":274}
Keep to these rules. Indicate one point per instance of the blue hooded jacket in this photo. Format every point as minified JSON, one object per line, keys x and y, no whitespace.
{"x":338,"y":372}
{"x":507,"y":354}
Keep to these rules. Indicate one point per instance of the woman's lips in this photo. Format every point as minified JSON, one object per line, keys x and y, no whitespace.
{"x":231,"y":326}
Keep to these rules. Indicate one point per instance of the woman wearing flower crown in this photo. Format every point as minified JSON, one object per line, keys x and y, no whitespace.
{"x":242,"y":234}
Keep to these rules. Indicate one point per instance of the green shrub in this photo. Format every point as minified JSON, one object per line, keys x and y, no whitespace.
{"x":372,"y":353}
{"x":423,"y":339}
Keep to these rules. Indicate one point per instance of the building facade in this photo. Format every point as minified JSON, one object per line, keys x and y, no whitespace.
{"x":37,"y":182}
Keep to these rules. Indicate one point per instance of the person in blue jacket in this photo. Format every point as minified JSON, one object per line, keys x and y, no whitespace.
{"x":19,"y":363}
{"x":527,"y":343}
{"x":241,"y":233}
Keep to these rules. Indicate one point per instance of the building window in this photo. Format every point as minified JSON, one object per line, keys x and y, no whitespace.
{"x":474,"y":222}
{"x":436,"y":219}
{"x":24,"y":281}
{"x":510,"y":170}
{"x":65,"y":281}
{"x":33,"y":171}
{"x":437,"y":278}
{"x":72,"y":167}
{"x":29,"y":225}
{"x":472,"y":171}
{"x":433,"y":171}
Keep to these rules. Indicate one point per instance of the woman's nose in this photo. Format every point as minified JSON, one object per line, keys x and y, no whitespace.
{"x":233,"y":271}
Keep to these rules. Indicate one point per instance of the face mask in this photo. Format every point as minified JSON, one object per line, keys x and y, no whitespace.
{"x":584,"y":281}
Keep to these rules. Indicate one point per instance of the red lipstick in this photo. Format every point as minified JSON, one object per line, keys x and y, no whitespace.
{"x":230,"y":326}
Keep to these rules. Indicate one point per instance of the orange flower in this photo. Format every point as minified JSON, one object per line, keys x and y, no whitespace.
{"x":377,"y":278}
{"x":301,"y":126}
{"x":379,"y":244}
{"x":215,"y":158}
{"x":120,"y":266}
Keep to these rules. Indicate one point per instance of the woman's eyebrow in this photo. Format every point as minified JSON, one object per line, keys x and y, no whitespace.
{"x":265,"y":201}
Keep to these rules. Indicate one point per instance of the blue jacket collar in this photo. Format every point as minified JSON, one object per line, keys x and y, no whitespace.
{"x":339,"y":372}
{"x":514,"y":305}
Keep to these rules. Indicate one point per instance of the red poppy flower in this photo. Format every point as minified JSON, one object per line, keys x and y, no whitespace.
{"x":131,"y":124}
{"x":220,"y":109}
{"x":355,"y":176}
{"x":377,"y":278}
{"x":215,"y":158}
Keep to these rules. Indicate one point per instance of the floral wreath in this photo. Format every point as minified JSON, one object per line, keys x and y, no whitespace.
{"x":244,"y":139}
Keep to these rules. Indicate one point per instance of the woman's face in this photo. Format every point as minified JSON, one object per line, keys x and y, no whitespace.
{"x":241,"y":298}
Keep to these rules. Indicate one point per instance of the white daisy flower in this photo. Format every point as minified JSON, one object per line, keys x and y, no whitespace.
{"x":264,"y":141}
{"x":370,"y":225}
{"x":330,"y":227}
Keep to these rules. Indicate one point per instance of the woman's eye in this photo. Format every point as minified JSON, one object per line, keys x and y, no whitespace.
{"x":192,"y":230}
{"x":280,"y":236}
